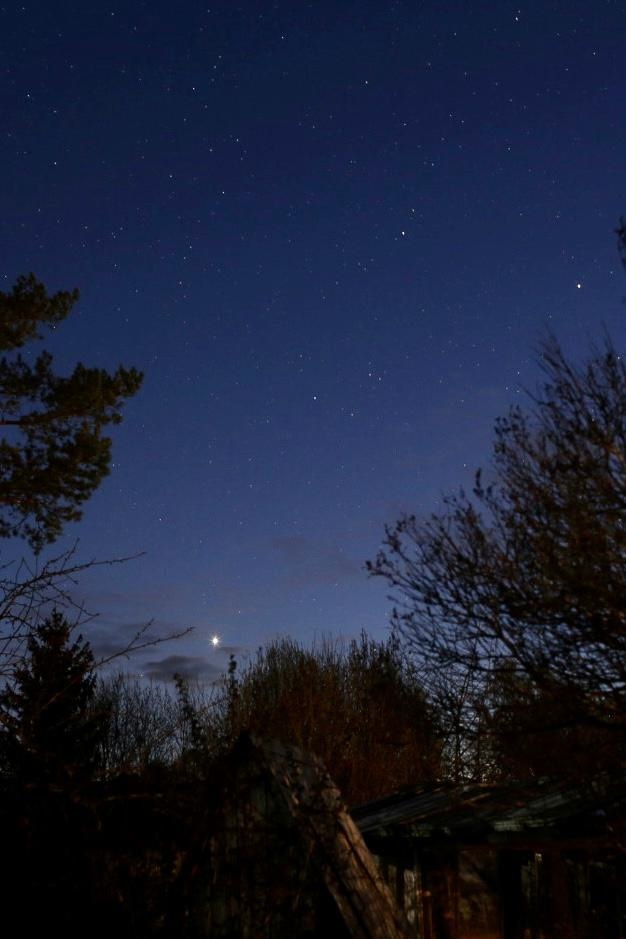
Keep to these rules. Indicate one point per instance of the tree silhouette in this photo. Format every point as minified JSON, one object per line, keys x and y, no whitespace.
{"x":49,"y":745}
{"x":50,"y":732}
{"x":53,"y":454}
{"x":360,"y":708}
{"x":529,"y":571}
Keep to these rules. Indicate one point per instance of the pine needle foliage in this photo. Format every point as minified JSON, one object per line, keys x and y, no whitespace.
{"x":53,"y":452}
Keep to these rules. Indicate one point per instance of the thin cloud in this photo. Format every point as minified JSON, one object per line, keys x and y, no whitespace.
{"x":186,"y":665}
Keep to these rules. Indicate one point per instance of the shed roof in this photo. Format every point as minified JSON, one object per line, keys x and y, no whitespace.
{"x":479,"y":811}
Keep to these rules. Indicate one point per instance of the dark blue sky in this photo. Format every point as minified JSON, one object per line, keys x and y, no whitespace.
{"x":331,"y":234}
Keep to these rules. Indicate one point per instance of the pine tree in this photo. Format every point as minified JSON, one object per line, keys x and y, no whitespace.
{"x":53,"y":454}
{"x":51,"y":732}
{"x":49,"y":743}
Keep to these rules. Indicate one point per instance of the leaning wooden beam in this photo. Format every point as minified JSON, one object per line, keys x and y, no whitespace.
{"x":350,"y":872}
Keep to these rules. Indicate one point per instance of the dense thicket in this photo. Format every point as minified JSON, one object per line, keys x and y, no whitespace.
{"x":360,"y":708}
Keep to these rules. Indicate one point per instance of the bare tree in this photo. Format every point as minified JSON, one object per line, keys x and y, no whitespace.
{"x":359,"y":707}
{"x":144,"y":725}
{"x":30,"y":589}
{"x":529,"y":570}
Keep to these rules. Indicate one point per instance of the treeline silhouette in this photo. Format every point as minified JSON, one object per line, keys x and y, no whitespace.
{"x":107,"y":785}
{"x":110,"y":786}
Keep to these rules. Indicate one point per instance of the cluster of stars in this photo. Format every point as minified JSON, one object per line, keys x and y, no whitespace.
{"x":330,"y":242}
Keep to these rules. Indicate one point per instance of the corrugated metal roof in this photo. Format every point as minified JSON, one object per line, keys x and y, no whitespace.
{"x":477,"y":809}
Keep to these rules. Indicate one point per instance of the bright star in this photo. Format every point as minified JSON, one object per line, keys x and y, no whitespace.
{"x":215,"y":641}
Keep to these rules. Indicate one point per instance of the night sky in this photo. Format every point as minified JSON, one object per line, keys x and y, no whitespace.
{"x":331,"y":234}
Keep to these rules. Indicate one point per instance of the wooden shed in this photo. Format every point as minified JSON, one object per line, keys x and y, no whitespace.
{"x":542,"y":860}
